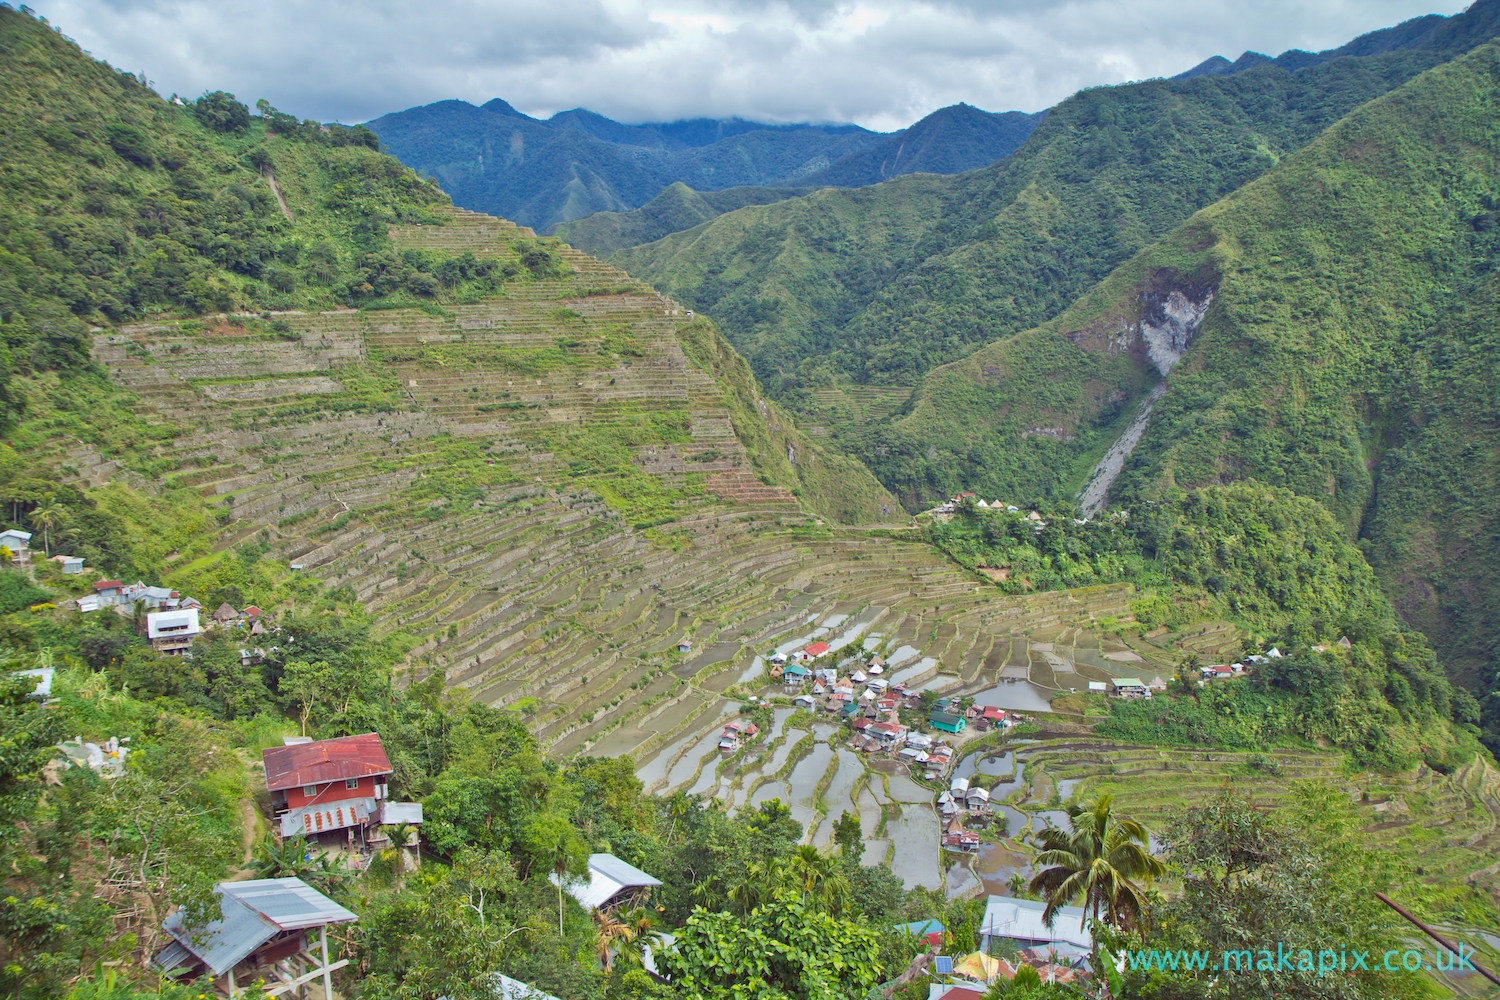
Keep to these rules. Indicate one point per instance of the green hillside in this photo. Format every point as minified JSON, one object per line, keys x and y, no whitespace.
{"x":678,"y":207}
{"x":845,"y":289}
{"x":1345,"y":356}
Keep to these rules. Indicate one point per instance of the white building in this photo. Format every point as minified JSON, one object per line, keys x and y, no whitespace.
{"x":172,"y":632}
{"x":1020,"y":920}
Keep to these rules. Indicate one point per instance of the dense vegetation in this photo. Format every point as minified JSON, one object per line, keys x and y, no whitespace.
{"x":676,"y":208}
{"x":1278,"y":565}
{"x":878,"y":286}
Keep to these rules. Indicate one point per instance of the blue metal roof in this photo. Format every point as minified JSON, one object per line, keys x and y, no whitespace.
{"x":252,"y":913}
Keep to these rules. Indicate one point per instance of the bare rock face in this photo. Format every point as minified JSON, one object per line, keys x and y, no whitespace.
{"x":1168,"y":325}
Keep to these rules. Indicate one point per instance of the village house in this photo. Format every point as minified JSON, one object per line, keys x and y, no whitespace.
{"x":1098,"y":687}
{"x":814,"y":651}
{"x":172,"y":632}
{"x":71,"y":565}
{"x":226,"y":615}
{"x":684,"y":647}
{"x":974,"y":798}
{"x":331,"y":790}
{"x":1020,"y":921}
{"x":263,"y":931}
{"x":1130,"y":687}
{"x":108,"y":592}
{"x":890,"y":734}
{"x":947,"y":722}
{"x":795,"y":675}
{"x":19,"y":543}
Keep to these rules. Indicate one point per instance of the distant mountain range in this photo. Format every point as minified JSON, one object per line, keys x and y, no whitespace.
{"x":541,"y":173}
{"x":1432,"y":32}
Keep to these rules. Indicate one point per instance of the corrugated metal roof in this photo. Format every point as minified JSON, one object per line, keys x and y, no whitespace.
{"x":325,"y":760}
{"x":173,"y":956}
{"x":621,"y":871}
{"x":608,"y":875}
{"x":252,"y":913}
{"x":1021,"y":920}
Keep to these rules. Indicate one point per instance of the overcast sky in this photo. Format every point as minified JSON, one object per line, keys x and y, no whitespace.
{"x":880,"y":63}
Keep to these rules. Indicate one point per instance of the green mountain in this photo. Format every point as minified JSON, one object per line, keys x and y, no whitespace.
{"x":497,"y":160}
{"x":843,"y":297}
{"x":577,"y":163}
{"x":948,"y":141}
{"x":1328,"y":329}
{"x":678,"y":207}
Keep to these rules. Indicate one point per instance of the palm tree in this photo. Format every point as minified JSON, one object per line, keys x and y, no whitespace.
{"x":290,"y":858}
{"x":47,"y":515}
{"x":813,"y":874}
{"x":611,"y":930}
{"x":1099,"y":861}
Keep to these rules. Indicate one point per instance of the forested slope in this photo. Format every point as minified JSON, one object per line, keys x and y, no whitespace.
{"x":877,"y":286}
{"x":1346,"y":302}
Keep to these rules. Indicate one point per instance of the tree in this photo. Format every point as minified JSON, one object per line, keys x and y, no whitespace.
{"x":848,"y":835}
{"x":290,"y":858}
{"x":49,"y":515}
{"x":220,"y":112}
{"x":1099,"y":861}
{"x":1187,"y":675}
{"x":303,"y":685}
{"x":781,"y":948}
{"x":555,"y":845}
{"x":816,"y":878}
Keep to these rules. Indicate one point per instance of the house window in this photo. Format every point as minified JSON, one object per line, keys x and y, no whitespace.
{"x":310,"y":790}
{"x":351,"y":783}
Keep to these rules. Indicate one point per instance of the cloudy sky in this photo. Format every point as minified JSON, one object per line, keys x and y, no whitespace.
{"x":881,"y":63}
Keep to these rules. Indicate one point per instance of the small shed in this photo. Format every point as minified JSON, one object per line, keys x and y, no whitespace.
{"x":263,"y":931}
{"x":71,"y":565}
{"x":611,"y":883}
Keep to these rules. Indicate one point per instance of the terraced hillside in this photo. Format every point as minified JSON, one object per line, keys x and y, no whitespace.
{"x":548,"y":489}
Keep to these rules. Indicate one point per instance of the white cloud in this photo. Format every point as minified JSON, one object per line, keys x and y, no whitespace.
{"x":882,"y":63}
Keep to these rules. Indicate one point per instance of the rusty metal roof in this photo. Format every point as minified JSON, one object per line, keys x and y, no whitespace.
{"x":325,"y":760}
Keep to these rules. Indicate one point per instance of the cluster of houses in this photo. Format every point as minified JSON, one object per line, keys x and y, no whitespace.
{"x":739,"y":729}
{"x":172,"y":620}
{"x":963,"y":801}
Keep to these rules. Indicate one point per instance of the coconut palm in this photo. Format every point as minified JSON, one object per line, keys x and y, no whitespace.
{"x":622,"y":939}
{"x":48,"y":515}
{"x":1100,"y":861}
{"x":817,"y":876}
{"x":610,"y":931}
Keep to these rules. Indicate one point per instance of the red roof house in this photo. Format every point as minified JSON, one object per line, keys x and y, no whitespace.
{"x":816,"y":650}
{"x":328,"y":784}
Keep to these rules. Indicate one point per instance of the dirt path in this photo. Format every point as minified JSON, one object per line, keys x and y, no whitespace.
{"x":249,"y":821}
{"x":271,"y":179}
